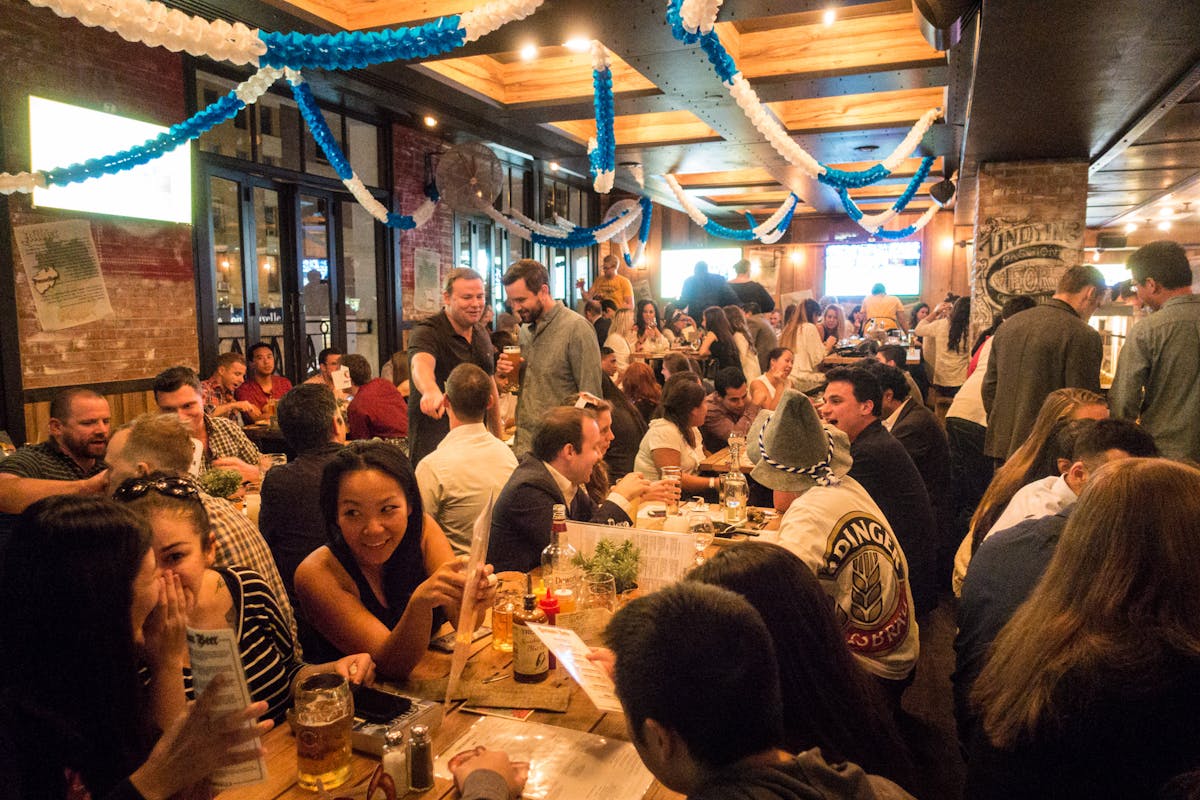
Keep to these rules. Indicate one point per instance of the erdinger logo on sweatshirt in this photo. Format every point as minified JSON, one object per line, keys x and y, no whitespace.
{"x":864,"y":562}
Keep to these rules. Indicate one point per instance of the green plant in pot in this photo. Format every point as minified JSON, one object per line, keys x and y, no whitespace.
{"x":619,"y":559}
{"x":221,"y":482}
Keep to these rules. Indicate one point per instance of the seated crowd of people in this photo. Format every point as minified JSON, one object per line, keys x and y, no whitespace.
{"x":775,"y":669}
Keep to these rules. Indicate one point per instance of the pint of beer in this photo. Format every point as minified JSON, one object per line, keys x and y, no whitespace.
{"x":321,"y":720}
{"x":512,"y":353}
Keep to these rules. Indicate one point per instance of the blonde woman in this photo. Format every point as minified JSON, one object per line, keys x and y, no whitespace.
{"x":621,"y":338}
{"x":1090,"y":689}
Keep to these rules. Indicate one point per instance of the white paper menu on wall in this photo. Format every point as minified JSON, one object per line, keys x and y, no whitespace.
{"x":665,"y":557}
{"x":212,"y":653}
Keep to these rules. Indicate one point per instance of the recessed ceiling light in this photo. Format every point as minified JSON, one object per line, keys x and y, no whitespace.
{"x":1096,"y":255}
{"x":829,"y":17}
{"x":430,"y":121}
{"x":1166,"y":213}
{"x":1165,"y":225}
{"x":866,"y":148}
{"x":553,"y":166}
{"x":1130,"y":227}
{"x":578,"y":44}
{"x":529,"y":52}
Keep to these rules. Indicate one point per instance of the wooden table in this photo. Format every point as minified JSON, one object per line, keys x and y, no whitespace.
{"x":581,"y":715}
{"x":718,"y":463}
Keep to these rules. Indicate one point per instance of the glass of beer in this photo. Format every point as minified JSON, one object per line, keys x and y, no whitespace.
{"x":512,"y":353}
{"x":502,"y":616}
{"x":672,"y":474}
{"x":321,"y":721}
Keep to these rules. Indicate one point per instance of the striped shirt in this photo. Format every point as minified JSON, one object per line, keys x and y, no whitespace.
{"x":239,"y":544}
{"x":267,"y":647}
{"x":47,"y":461}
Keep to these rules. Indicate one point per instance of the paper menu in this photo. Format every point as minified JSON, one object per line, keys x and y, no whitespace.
{"x":563,"y":764}
{"x":212,"y":653}
{"x":572,"y":654}
{"x":665,"y":557}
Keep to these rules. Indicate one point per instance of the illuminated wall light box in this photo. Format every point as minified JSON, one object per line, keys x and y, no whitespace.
{"x":159,"y":190}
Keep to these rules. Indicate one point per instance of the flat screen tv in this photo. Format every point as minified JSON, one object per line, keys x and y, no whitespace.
{"x":61,"y":134}
{"x":679,"y":265}
{"x":852,"y":269}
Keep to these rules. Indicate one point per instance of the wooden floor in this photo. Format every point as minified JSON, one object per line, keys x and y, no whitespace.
{"x":928,"y":722}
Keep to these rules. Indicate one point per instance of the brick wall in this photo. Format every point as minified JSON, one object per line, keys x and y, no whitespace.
{"x":1029,"y":227}
{"x":147,"y":266}
{"x":409,"y":148}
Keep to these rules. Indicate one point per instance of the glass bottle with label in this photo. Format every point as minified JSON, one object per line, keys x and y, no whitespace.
{"x":560,"y":573}
{"x":531,"y":657}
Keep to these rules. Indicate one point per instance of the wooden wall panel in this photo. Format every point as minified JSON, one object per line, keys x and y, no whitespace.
{"x":123,"y":407}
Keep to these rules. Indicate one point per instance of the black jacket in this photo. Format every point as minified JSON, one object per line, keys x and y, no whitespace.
{"x":523,"y":513}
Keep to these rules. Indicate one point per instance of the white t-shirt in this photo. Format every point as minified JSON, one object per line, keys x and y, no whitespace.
{"x":949,"y":366}
{"x":621,"y":349}
{"x":1042,"y":498}
{"x":968,"y":403}
{"x":841,"y":534}
{"x":807,"y":349}
{"x":750,"y":367}
{"x":663,"y":435}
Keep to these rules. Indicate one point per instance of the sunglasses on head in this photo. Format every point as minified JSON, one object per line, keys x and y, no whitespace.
{"x":181,"y":488}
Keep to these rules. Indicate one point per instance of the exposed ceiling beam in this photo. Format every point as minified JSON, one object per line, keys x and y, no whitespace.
{"x":1153,"y":112}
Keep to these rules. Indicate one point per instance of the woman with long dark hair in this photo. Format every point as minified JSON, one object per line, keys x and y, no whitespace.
{"x":1090,"y":689}
{"x":650,"y":336}
{"x":718,"y":343}
{"x":83,"y":604}
{"x":767,"y":389}
{"x":744,"y":341}
{"x":948,"y":325}
{"x":828,"y":700}
{"x":673,"y":440}
{"x":387,"y":578}
{"x":642,"y":390}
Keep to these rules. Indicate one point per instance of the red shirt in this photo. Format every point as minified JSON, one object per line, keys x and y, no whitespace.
{"x":251,"y":391}
{"x":378,"y":409}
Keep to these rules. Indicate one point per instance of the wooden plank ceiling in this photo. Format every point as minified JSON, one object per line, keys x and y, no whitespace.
{"x":848,"y":89}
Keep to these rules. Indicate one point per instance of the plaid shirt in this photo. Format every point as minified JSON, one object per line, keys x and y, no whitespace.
{"x":239,"y":544}
{"x":215,"y":393}
{"x":225,"y":438}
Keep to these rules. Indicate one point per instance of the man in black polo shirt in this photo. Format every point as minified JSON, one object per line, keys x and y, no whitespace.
{"x":71,"y":461}
{"x":435,"y":347}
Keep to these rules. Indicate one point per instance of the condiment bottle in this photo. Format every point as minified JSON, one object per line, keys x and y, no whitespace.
{"x":420,"y":759}
{"x":531,"y":658}
{"x":395,"y":757}
{"x":549,"y":606}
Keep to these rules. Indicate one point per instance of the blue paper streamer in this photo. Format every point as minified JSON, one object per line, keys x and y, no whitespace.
{"x":603,"y":158}
{"x":358,"y":49}
{"x":902,"y":201}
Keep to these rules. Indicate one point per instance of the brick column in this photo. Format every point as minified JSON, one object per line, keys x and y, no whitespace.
{"x":1029,"y":225}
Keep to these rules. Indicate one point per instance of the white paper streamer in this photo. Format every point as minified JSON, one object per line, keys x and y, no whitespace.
{"x":479,"y":22}
{"x":699,"y":16}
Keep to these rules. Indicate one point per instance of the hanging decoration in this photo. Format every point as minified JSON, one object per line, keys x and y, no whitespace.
{"x":872,"y":223}
{"x":602,"y":147}
{"x":337,"y":159}
{"x":570,"y":235}
{"x":769,"y":231}
{"x":693,"y":22}
{"x":155,"y":25}
{"x":226,"y":107}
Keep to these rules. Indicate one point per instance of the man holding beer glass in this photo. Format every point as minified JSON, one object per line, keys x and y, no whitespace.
{"x":436,"y":346}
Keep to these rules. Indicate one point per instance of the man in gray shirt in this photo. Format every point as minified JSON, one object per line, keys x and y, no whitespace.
{"x":765,"y":339}
{"x":1158,"y":372}
{"x":558,"y":346}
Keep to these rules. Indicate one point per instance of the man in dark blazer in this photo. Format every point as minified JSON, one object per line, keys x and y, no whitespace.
{"x":566,"y":446}
{"x":854,"y":404}
{"x":1048,"y":347}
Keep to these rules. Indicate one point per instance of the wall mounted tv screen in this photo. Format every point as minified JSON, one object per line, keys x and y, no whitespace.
{"x":852,"y":269}
{"x":61,"y":134}
{"x":679,"y":265}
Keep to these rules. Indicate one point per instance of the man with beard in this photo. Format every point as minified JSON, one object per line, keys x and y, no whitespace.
{"x":558,"y":346}
{"x":70,"y":461}
{"x":436,"y":346}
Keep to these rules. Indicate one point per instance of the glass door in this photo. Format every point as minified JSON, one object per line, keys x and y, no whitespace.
{"x":317,"y":267}
{"x":483,"y":247}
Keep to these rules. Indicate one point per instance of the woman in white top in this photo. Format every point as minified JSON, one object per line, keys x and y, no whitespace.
{"x":621,"y":337}
{"x":744,"y":341}
{"x":673,"y":440}
{"x":947,"y":326}
{"x":803,"y":337}
{"x":768,"y":388}
{"x":650,"y":336}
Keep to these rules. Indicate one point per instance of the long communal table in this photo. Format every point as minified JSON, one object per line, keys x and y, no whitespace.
{"x":581,"y":715}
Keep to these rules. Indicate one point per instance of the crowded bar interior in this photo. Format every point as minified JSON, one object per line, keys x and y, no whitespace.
{"x":705,"y":398}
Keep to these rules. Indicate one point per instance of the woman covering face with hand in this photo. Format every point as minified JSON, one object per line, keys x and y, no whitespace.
{"x":82,"y":604}
{"x":388,"y":578}
{"x":227,"y":597}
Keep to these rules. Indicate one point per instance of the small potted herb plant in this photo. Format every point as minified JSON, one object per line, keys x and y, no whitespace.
{"x":618,"y":559}
{"x":224,"y":483}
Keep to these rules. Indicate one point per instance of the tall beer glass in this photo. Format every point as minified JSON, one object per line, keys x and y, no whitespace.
{"x":321,"y":720}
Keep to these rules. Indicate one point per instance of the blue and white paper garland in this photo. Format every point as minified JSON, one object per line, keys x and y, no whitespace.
{"x":566,"y":234}
{"x":602,"y":147}
{"x":769,"y":231}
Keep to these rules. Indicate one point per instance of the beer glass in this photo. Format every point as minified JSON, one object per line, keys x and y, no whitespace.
{"x":512,"y":352}
{"x":502,"y":616}
{"x":673,"y":474}
{"x":700,"y":526}
{"x":597,"y":602}
{"x":321,"y":719}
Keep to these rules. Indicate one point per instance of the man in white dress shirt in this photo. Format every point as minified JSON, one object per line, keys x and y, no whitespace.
{"x":470,"y":465}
